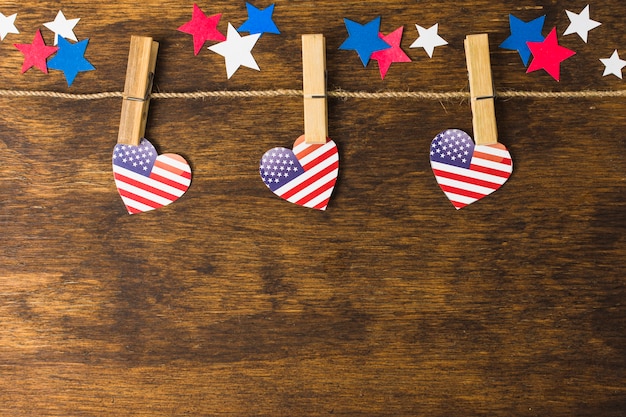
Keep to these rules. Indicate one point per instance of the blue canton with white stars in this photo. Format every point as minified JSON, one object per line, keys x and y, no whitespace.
{"x":452,"y":147}
{"x":139,"y":159}
{"x":278,"y":167}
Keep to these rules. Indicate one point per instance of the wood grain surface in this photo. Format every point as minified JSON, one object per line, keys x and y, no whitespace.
{"x":234,"y":302}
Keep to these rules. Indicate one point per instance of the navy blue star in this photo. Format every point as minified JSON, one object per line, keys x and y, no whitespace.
{"x":259,"y":21}
{"x":522,"y":32}
{"x":70,"y":59}
{"x":364,"y":39}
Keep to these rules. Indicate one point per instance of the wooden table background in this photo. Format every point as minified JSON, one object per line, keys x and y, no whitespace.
{"x":233,"y":302}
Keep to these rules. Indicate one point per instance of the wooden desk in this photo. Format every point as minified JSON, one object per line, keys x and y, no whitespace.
{"x":233,"y":302}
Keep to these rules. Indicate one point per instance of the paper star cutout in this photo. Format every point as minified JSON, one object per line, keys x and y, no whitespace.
{"x":7,"y":25}
{"x":580,"y":23}
{"x":428,"y":39}
{"x":236,"y":50}
{"x":522,"y":32}
{"x":613,"y":65}
{"x":364,"y":39}
{"x":259,"y":21}
{"x":36,"y":53}
{"x":202,"y":28}
{"x":548,"y":55}
{"x":70,"y":59}
{"x":386,"y":57}
{"x":62,"y":27}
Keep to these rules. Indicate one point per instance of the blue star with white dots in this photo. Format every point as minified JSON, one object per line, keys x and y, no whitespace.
{"x":452,"y":147}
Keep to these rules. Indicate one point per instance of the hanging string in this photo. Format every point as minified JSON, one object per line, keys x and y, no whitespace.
{"x":338,"y":94}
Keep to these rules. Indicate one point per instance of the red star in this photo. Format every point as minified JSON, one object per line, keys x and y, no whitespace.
{"x":202,"y":28}
{"x":548,"y":55}
{"x":388,"y":56}
{"x":36,"y":53}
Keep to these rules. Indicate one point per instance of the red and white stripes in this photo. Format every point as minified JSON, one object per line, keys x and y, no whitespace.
{"x":321,"y":165}
{"x":168,"y":181}
{"x":491,"y":166}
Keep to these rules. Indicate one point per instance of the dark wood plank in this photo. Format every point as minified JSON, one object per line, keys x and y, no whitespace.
{"x":232,"y":302}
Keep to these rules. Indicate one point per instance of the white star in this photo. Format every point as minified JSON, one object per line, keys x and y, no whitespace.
{"x":580,"y":23}
{"x":236,"y":50}
{"x":428,"y":39}
{"x":62,"y":27}
{"x":7,"y":25}
{"x":613,"y":65}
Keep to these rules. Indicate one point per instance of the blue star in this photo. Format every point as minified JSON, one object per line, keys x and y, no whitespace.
{"x":522,"y":32}
{"x":70,"y":59}
{"x":364,"y":39}
{"x":259,"y":21}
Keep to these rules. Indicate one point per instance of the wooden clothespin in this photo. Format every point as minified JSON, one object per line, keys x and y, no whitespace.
{"x":314,"y":87}
{"x":139,"y":76}
{"x":482,"y":92}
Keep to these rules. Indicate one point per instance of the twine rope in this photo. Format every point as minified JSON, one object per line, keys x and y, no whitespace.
{"x":338,"y":94}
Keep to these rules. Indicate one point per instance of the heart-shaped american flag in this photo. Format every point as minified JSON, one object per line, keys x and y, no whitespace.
{"x":467,"y":172}
{"x":147,"y":181}
{"x":305,"y":176}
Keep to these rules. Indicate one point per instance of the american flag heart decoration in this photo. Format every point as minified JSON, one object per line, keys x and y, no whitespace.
{"x":148,"y":181}
{"x":305,"y":176}
{"x":467,"y":172}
